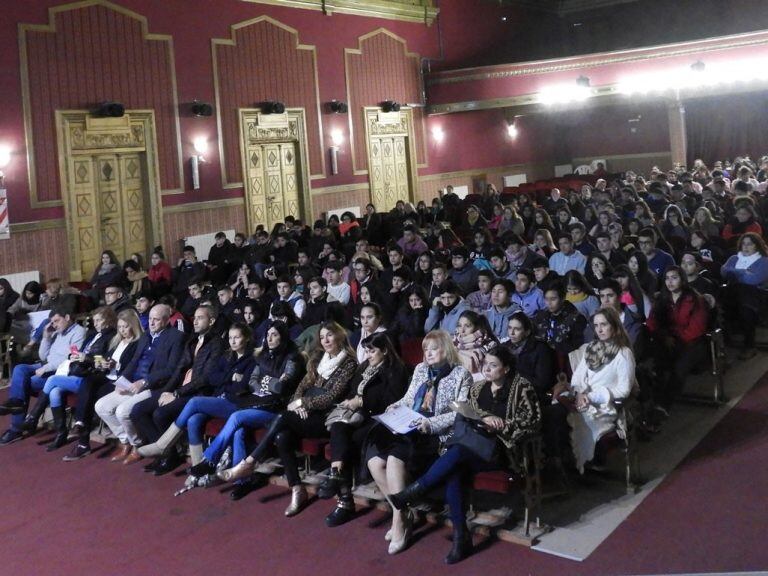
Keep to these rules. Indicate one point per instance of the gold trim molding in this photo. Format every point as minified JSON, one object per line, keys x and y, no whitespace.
{"x":389,"y":9}
{"x":25,"y":91}
{"x":38,"y":225}
{"x":599,"y":59}
{"x":232,"y":41}
{"x":358,"y":52}
{"x":206,"y":205}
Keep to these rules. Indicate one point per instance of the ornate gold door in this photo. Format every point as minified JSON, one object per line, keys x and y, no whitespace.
{"x":110,"y":187}
{"x":389,"y":157}
{"x":276,"y":178}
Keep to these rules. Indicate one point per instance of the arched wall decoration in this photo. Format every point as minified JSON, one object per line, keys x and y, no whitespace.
{"x":381,"y":68}
{"x":90,"y":51}
{"x":264,"y":44}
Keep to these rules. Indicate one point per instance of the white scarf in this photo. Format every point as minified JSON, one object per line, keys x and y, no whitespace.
{"x":745,"y":262}
{"x":328,"y":365}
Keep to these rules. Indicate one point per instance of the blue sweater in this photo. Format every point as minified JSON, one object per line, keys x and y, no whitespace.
{"x":755,"y":275}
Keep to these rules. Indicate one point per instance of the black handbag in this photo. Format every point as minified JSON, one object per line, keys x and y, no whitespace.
{"x":81,"y":369}
{"x":477,"y":441}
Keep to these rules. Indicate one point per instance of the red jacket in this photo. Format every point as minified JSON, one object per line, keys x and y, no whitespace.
{"x":689,"y":317}
{"x":728,"y":232}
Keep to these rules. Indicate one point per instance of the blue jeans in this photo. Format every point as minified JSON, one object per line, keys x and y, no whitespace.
{"x":454,"y":468}
{"x":198,"y":411}
{"x":23,"y":384}
{"x":56,"y":386}
{"x":235,"y":432}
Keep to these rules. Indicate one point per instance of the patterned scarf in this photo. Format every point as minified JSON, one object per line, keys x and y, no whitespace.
{"x":600,"y":353}
{"x":368,"y":373}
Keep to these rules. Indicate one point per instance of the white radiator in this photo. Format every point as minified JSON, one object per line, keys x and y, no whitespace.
{"x":202,"y":242}
{"x":18,"y":280}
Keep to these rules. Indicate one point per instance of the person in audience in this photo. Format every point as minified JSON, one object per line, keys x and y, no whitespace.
{"x":138,"y":280}
{"x":610,"y":291}
{"x":560,"y":325}
{"x":371,"y":322}
{"x":509,"y":414}
{"x":543,"y":244}
{"x":116,"y":298}
{"x":228,"y":379}
{"x":363,"y":274}
{"x":338,"y":290}
{"x":64,"y":381}
{"x":61,"y":337}
{"x":472,"y":221}
{"x":409,"y":320}
{"x":160,"y":274}
{"x":411,"y":243}
{"x":648,"y":279}
{"x":707,"y":248}
{"x":518,"y":254}
{"x":396,"y":260}
{"x":482,"y":241}
{"x":101,"y":381}
{"x":543,"y":275}
{"x":219,"y":263}
{"x":632,"y":293}
{"x":746,"y":273}
{"x":598,"y":269}
{"x":678,"y":324}
{"x":542,"y":221}
{"x":699,"y":278}
{"x":380,"y":380}
{"x":287,"y":293}
{"x":318,"y":303}
{"x":157,"y":354}
{"x":604,"y":374}
{"x":480,"y":299}
{"x":567,"y":258}
{"x":392,"y":301}
{"x":705,"y":223}
{"x":330,"y":369}
{"x":605,"y":247}
{"x":187,"y":269}
{"x":527,"y":295}
{"x":473,"y":339}
{"x":658,"y":260}
{"x":580,"y":294}
{"x":8,"y":297}
{"x":439,"y":380}
{"x":463,"y":273}
{"x":177,"y":320}
{"x":107,"y":273}
{"x":744,"y":220}
{"x":500,"y":266}
{"x":279,"y":369}
{"x":423,"y":269}
{"x":501,"y":308}
{"x":144,"y":303}
{"x":580,"y":239}
{"x":446,"y":308}
{"x":18,"y":312}
{"x":191,"y":377}
{"x":510,"y":223}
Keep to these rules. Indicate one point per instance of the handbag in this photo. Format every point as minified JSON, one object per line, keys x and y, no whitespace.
{"x":345,"y":416}
{"x":473,"y":439}
{"x":81,"y":369}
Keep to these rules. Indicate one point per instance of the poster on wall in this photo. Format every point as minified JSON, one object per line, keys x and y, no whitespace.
{"x":5,"y":229}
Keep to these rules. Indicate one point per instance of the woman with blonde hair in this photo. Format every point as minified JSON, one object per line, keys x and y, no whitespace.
{"x":437,"y":381}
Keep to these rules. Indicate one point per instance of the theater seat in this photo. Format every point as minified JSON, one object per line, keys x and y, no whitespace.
{"x":411,"y":352}
{"x":497,"y":481}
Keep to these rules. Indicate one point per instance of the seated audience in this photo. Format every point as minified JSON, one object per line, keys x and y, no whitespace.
{"x":502,"y":307}
{"x":527,"y":295}
{"x":473,"y":339}
{"x":446,"y":308}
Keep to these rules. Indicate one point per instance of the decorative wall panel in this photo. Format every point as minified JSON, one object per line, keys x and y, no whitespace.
{"x":43,"y":250}
{"x":264,"y":61}
{"x":179,"y":225}
{"x":381,"y":68}
{"x":90,"y":52}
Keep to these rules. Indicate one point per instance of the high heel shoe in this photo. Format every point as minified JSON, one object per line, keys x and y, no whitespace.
{"x":242,"y":470}
{"x":398,"y":545}
{"x":299,"y":498}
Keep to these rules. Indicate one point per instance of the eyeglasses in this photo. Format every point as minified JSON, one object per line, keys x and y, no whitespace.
{"x":111,"y":293}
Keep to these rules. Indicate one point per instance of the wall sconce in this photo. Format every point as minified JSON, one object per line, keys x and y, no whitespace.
{"x":390,"y":106}
{"x":5,"y":159}
{"x":438,"y":134}
{"x":512,"y":130}
{"x":337,"y":139}
{"x":109,"y":110}
{"x":201,"y":109}
{"x":201,"y":147}
{"x":272,"y":107}
{"x":337,"y":107}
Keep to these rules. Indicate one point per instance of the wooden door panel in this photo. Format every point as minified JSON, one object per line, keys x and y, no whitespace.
{"x":132,"y":188}
{"x":85,"y":215}
{"x":290,"y":180}
{"x":110,"y":205}
{"x":256,"y":198}
{"x":274,"y":182}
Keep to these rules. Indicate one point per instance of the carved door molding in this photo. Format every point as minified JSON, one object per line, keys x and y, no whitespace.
{"x":110,"y":185}
{"x":391,"y":156}
{"x":275,"y":166}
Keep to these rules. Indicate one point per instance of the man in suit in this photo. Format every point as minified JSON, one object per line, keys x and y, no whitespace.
{"x":152,"y":416}
{"x":157,"y":355}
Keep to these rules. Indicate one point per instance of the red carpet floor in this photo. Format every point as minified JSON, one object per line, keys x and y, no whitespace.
{"x":95,"y":517}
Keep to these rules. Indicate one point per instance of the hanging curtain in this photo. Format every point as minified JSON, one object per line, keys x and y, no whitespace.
{"x":723,"y":127}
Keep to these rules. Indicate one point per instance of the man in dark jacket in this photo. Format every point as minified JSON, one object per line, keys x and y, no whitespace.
{"x":186,"y":270}
{"x":219,"y":261}
{"x":560,"y":324}
{"x":152,"y":416}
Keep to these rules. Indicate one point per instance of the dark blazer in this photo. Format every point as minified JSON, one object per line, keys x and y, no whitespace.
{"x":385,"y":388}
{"x":536,"y":363}
{"x":101,"y":346}
{"x":230,"y":375}
{"x":201,"y":365}
{"x":168,"y":348}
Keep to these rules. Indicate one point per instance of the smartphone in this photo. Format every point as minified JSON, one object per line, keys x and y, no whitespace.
{"x":73,"y":349}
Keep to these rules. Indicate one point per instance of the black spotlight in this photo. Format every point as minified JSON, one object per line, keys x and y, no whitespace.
{"x":337,"y":107}
{"x":390,"y":106}
{"x":110,"y":110}
{"x":200,"y":109}
{"x":273,"y":107}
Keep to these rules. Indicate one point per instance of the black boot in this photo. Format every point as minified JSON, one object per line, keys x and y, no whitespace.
{"x":410,"y":495}
{"x":330,"y":486}
{"x":275,"y":427}
{"x":33,"y":418}
{"x":343,"y":513}
{"x":60,"y":423}
{"x":462,"y":545}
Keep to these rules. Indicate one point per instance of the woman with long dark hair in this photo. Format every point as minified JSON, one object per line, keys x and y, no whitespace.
{"x":8,"y":297}
{"x":678,"y":325}
{"x":379,"y":381}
